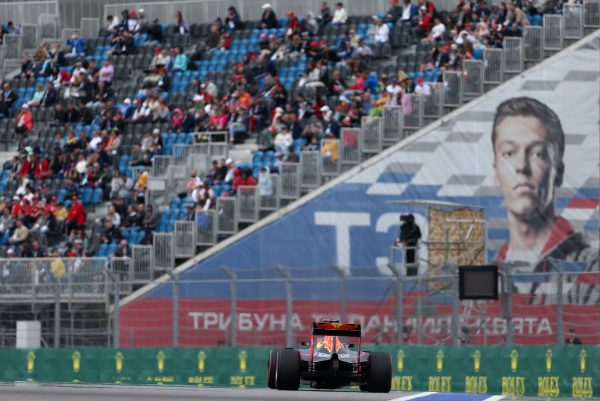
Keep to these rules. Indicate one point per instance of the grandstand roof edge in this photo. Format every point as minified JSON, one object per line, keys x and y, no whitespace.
{"x":309,"y":197}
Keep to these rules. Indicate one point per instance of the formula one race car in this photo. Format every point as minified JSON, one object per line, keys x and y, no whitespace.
{"x":333,"y":360}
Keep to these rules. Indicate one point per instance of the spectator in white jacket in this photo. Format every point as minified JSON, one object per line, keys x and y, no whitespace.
{"x":340,"y":16}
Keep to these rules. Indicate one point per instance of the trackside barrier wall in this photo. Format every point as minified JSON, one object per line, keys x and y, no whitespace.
{"x":561,"y":371}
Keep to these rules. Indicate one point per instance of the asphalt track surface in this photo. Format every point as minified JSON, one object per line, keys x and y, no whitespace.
{"x":37,"y":392}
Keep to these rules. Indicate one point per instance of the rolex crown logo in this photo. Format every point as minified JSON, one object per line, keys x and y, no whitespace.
{"x":119,"y":362}
{"x":514,"y":360}
{"x":160,"y":361}
{"x":582,"y":356}
{"x":400,"y":357}
{"x":76,"y":361}
{"x":30,"y":362}
{"x":201,"y":361}
{"x":476,"y":360}
{"x":549,"y":360}
{"x":440,"y":360}
{"x":243,"y":356}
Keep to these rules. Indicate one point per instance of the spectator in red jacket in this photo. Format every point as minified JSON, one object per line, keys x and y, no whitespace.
{"x":24,"y":121}
{"x":243,"y":178}
{"x":41,"y":169}
{"x":76,"y":216}
{"x":292,"y":26}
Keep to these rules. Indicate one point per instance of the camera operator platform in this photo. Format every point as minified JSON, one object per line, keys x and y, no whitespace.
{"x":459,"y":239}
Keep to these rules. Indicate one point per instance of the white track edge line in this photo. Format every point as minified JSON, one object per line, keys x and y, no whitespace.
{"x":494,"y":398}
{"x":412,"y":397}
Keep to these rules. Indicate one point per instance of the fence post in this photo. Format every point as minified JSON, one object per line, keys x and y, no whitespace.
{"x":455,"y":310}
{"x":57,"y":312}
{"x":419,"y":314}
{"x":560,"y":332}
{"x":509,"y":322}
{"x":116,"y":341}
{"x":288,"y":306}
{"x":343,"y":292}
{"x":399,"y":298}
{"x":175,"y":301}
{"x":233,"y":305}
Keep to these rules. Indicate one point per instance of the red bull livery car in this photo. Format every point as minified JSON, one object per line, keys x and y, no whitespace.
{"x":334,"y":360}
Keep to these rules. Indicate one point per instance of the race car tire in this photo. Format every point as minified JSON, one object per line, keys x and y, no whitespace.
{"x":287,"y":373}
{"x":379,"y":378}
{"x":271,"y":367}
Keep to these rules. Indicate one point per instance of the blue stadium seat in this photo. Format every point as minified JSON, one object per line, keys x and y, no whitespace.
{"x":86,"y":195}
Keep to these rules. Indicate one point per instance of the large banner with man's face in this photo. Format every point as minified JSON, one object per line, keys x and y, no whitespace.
{"x":526,"y":157}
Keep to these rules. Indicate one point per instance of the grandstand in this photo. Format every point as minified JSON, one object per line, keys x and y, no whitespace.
{"x":153,"y":147}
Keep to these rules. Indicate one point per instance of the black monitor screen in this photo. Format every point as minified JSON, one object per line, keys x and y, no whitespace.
{"x":478,"y":282}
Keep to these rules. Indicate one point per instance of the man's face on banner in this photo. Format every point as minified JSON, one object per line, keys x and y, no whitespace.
{"x":525,"y":165}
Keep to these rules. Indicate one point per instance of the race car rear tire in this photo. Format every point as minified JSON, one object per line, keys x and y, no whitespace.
{"x":379,"y":379}
{"x":287,"y":373}
{"x":271,"y":367}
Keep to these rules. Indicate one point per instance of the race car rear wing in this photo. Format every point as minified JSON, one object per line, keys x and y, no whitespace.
{"x":336,"y":329}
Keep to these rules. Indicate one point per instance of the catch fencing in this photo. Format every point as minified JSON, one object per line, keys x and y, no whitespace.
{"x":416,"y":310}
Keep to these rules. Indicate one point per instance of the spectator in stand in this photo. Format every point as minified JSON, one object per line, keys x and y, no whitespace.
{"x":123,"y":44}
{"x":293,"y":25}
{"x":265,"y":183}
{"x":7,"y":98}
{"x":381,"y":31}
{"x":181,"y":59}
{"x":141,"y":25}
{"x":242,"y":178}
{"x":181,"y":25}
{"x":325,"y":16}
{"x":77,"y":45}
{"x":268,"y":19}
{"x":515,"y":15}
{"x":154,"y":31}
{"x":76,"y":217}
{"x":394,"y":13}
{"x":340,"y":16}
{"x":24,"y":122}
{"x":123,"y":250}
{"x":233,"y":21}
{"x":423,"y":26}
{"x":20,"y":234}
{"x":107,"y":73}
{"x":410,"y":13}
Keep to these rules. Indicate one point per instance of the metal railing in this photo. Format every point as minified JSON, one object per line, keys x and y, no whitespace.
{"x":371,"y":135}
{"x":270,"y":202}
{"x":164,"y":251}
{"x":206,"y":228}
{"x":184,"y":239}
{"x":473,"y":79}
{"x":89,"y":27}
{"x":573,"y":22}
{"x":513,"y":55}
{"x":553,"y":32}
{"x":330,"y":158}
{"x":310,"y":166}
{"x":413,"y":113}
{"x":227,"y":212}
{"x":492,"y":66}
{"x":289,"y":181}
{"x":248,"y":204}
{"x":350,"y":151}
{"x":393,"y":124}
{"x":453,"y":88}
{"x":26,"y":12}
